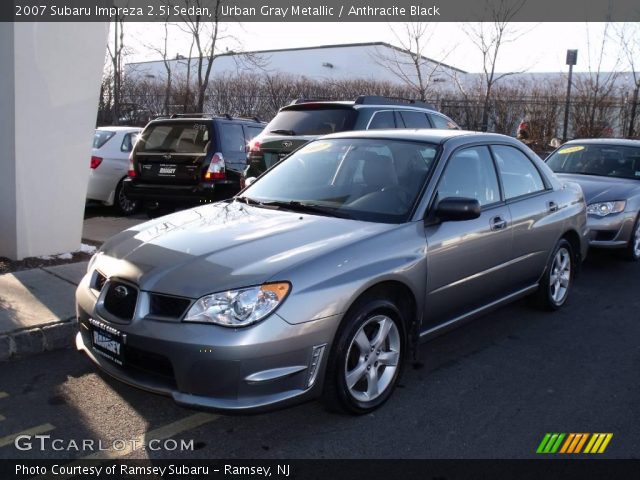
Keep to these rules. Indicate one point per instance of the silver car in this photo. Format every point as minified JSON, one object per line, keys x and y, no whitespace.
{"x":323,"y":276}
{"x":608,"y":170}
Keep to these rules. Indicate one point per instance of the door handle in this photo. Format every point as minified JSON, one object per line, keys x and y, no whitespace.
{"x":553,"y":206}
{"x":498,"y":223}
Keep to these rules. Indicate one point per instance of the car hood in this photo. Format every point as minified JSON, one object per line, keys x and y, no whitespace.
{"x":223,"y":246}
{"x":603,"y":189}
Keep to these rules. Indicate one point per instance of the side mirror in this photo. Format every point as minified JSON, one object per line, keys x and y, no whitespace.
{"x":455,"y":209}
{"x":249,"y":181}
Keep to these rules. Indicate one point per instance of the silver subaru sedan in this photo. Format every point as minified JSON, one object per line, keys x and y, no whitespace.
{"x":322,"y":277}
{"x":608,"y":170}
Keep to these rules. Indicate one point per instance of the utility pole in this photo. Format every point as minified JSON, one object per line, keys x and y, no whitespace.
{"x":572,"y":59}
{"x":116,"y":79}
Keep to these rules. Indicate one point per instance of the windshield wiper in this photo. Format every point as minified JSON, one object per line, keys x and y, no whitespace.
{"x":297,"y":206}
{"x":283,"y":131}
{"x":248,"y":200}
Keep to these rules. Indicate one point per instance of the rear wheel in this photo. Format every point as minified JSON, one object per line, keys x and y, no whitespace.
{"x":558,"y":278}
{"x":633,"y":249}
{"x":367,"y":358}
{"x":123,"y":204}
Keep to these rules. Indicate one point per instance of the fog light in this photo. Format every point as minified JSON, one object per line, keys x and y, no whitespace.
{"x":316,"y":358}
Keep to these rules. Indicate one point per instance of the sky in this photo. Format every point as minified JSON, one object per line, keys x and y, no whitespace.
{"x":536,"y":47}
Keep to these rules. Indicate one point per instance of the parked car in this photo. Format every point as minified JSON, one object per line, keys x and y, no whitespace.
{"x":305,"y":120}
{"x":109,"y":164}
{"x":608,"y":170}
{"x":189,"y":159}
{"x":323,"y":275}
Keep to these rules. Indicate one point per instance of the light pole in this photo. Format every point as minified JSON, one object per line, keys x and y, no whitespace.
{"x":572,"y":59}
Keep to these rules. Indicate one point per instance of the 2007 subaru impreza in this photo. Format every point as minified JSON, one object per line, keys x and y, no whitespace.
{"x":322,"y":276}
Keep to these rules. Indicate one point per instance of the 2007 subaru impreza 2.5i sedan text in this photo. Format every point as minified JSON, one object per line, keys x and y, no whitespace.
{"x":321,"y":277}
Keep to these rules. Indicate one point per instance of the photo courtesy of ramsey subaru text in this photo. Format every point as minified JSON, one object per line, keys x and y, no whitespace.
{"x":322,"y":276}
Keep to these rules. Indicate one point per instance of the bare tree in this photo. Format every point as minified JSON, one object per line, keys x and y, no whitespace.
{"x":489,"y":38}
{"x":629,"y":37}
{"x":116,"y":53}
{"x":408,"y":63}
{"x":206,"y":32}
{"x":595,"y":90}
{"x":163,"y":51}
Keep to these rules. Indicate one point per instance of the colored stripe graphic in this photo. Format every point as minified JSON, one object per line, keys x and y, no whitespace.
{"x":574,"y":443}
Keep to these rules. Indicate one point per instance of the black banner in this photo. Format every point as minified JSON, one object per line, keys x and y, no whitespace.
{"x":320,"y":10}
{"x":321,"y":469}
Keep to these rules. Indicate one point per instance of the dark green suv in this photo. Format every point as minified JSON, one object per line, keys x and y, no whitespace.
{"x":304,"y":120}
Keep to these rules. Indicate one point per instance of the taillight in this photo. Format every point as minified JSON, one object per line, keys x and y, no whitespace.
{"x":523,"y":126}
{"x":95,"y":162}
{"x":254,"y":146}
{"x":131,"y":172}
{"x":216,"y":168}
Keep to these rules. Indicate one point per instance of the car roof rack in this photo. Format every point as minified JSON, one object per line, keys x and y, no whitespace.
{"x":380,"y":100}
{"x":189,"y":115}
{"x":307,"y":100}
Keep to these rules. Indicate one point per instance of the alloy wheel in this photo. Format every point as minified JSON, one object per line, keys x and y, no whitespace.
{"x":372,"y":359}
{"x":560,"y":276}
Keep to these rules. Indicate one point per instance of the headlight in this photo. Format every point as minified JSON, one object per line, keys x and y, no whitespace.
{"x":238,"y":308}
{"x":606,"y":208}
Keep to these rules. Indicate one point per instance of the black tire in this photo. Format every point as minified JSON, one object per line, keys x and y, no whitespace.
{"x":367,"y":315}
{"x":124,"y":205}
{"x":547,"y":297}
{"x":632,"y":252}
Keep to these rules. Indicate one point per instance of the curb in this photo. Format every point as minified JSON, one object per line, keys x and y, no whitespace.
{"x":37,"y":340}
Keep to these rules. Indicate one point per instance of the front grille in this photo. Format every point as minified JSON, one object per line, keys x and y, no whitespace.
{"x":150,"y":363}
{"x":168,"y":306}
{"x":117,"y":303}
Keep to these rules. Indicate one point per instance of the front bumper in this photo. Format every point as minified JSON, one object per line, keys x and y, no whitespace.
{"x":612,"y":231}
{"x":256,"y":368}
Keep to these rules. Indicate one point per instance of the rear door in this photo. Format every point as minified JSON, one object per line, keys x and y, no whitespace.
{"x":466,"y":260}
{"x":533,"y":206}
{"x":173,"y":152}
{"x":232,"y":145}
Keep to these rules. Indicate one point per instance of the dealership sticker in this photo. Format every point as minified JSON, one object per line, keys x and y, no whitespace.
{"x":571,"y":149}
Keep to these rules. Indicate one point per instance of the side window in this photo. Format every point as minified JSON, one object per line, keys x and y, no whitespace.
{"x":231,"y":138}
{"x":470,"y":174}
{"x":128,"y":142}
{"x":519,"y":174}
{"x":382,"y":120}
{"x":442,"y":122}
{"x":414,"y":119}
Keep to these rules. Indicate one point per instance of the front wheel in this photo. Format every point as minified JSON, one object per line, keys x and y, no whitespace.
{"x":558,"y":278}
{"x":367,"y":358}
{"x":633,"y":249}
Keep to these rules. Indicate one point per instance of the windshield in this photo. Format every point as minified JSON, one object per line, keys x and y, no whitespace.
{"x":101,"y":137}
{"x":365,"y":179}
{"x":312,"y":121}
{"x":180,"y":137}
{"x":604,"y":160}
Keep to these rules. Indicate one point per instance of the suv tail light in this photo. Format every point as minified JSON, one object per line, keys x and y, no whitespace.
{"x":95,"y":162}
{"x":254,"y":146}
{"x":131,"y":172}
{"x":216,"y":170}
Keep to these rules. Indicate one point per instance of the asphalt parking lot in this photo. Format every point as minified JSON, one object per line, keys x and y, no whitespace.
{"x":490,"y":389}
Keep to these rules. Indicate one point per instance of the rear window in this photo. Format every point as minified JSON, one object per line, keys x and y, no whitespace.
{"x":232,"y":138}
{"x":181,"y":137}
{"x":443,"y":123}
{"x":101,"y":137}
{"x":316,"y":121}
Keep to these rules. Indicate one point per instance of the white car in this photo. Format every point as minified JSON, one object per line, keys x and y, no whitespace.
{"x":109,"y":165}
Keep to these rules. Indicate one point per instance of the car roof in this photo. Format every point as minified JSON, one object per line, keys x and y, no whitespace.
{"x":119,"y":129}
{"x":353,"y":104}
{"x":429,"y":135}
{"x":619,"y":142}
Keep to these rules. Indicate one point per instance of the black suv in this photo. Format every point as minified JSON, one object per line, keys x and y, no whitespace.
{"x":305,"y":120}
{"x":190,"y":158}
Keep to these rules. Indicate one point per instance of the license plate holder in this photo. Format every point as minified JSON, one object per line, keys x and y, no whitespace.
{"x":107,"y":341}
